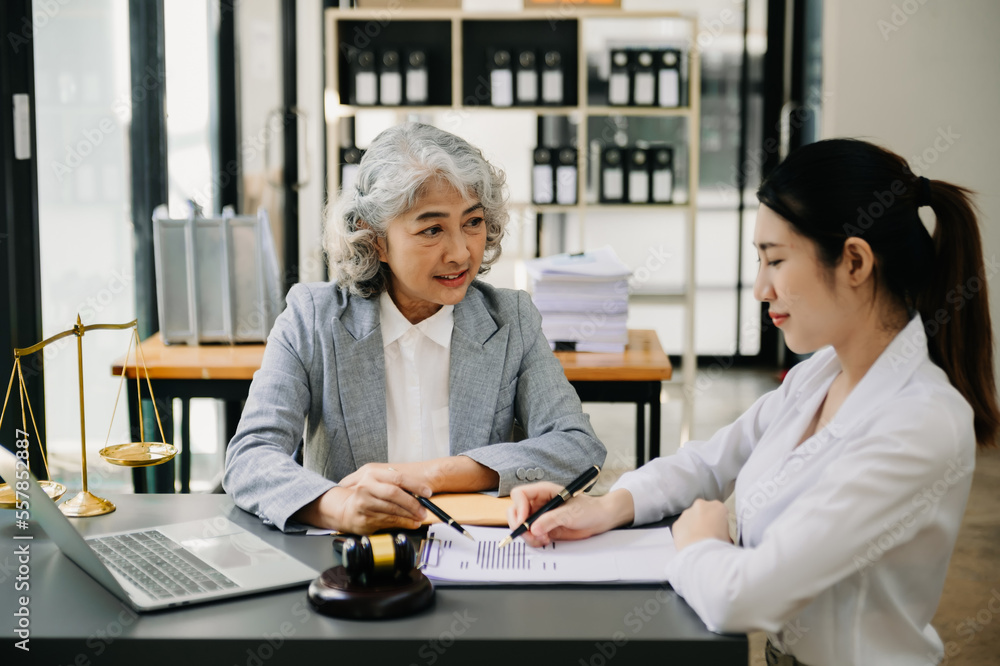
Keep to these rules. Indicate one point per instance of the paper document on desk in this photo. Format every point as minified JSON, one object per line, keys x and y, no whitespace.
{"x":618,"y":556}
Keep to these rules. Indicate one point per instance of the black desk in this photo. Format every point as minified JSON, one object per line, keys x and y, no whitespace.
{"x":75,"y":620}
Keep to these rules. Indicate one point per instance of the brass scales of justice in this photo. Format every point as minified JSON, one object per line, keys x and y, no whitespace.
{"x":134,"y":454}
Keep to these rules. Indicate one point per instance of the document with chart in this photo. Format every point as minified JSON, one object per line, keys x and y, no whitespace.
{"x":619,"y":556}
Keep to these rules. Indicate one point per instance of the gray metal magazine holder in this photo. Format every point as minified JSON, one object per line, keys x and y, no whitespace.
{"x":217,"y":279}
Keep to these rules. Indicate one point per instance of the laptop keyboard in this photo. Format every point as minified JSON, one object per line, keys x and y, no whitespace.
{"x":159,"y":565}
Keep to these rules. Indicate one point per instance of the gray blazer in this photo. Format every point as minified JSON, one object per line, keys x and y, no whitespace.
{"x":323,"y":379}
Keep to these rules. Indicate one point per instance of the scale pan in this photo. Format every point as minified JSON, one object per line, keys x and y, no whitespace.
{"x":8,"y":498}
{"x":138,"y":454}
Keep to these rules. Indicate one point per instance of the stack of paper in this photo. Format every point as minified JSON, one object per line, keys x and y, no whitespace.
{"x":583,"y":298}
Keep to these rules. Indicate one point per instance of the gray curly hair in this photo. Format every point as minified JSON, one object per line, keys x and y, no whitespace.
{"x":393,"y":174}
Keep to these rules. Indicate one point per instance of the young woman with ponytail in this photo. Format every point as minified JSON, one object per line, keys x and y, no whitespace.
{"x":851,"y":478}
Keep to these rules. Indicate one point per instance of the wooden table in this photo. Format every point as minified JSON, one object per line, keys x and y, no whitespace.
{"x":633,"y":376}
{"x":224,"y":372}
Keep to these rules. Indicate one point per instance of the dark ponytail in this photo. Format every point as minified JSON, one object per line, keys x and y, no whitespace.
{"x":955,"y":306}
{"x":838,"y":188}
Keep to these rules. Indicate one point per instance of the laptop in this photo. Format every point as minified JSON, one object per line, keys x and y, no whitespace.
{"x":166,"y":565}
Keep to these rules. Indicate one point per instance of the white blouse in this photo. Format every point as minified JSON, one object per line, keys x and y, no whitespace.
{"x":845,"y":538}
{"x":417,"y":363}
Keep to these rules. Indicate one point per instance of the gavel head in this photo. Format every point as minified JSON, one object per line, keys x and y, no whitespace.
{"x":377,"y":558}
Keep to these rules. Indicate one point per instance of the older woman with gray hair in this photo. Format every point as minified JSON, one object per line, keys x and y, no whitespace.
{"x":405,"y":374}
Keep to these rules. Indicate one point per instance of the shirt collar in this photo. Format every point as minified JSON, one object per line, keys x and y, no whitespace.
{"x":437,"y":327}
{"x":890,"y":372}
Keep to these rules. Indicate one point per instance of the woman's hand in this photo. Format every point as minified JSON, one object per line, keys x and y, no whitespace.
{"x":579,"y":518}
{"x":415,"y":477}
{"x":374,"y":497}
{"x":453,"y":474}
{"x":703,"y":520}
{"x":377,"y":496}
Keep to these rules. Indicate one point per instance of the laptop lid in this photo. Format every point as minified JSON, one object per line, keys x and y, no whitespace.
{"x":253,"y":564}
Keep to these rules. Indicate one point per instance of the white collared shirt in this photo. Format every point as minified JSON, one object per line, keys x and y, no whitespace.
{"x":417,"y":362}
{"x":845,"y":538}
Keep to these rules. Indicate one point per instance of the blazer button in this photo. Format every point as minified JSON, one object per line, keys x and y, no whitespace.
{"x":520,"y":473}
{"x":530,"y":475}
{"x":539,"y":473}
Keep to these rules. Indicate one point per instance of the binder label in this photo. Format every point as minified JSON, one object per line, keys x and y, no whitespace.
{"x":366,"y":88}
{"x":669,"y":88}
{"x":527,"y":86}
{"x":502,"y":87}
{"x":552,"y":86}
{"x":391,"y":89}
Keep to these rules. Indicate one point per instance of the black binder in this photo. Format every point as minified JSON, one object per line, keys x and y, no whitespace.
{"x":527,"y":78}
{"x":350,"y":158}
{"x":390,"y":80}
{"x":662,"y":175}
{"x":542,"y":177}
{"x":364,"y":81}
{"x":567,"y":174}
{"x":619,"y":81}
{"x":643,"y":78}
{"x":612,"y":188}
{"x":552,"y":79}
{"x":668,"y":78}
{"x":416,"y":77}
{"x":638,"y":176}
{"x":501,"y":77}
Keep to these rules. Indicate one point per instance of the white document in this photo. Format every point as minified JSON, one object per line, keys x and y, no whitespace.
{"x":618,"y":556}
{"x":599,"y":265}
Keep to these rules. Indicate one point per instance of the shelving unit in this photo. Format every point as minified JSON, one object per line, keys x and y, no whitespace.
{"x":351,"y":28}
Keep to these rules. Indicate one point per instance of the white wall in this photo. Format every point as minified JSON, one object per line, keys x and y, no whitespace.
{"x":902,"y":73}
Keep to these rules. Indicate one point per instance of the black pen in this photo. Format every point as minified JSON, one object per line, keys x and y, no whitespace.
{"x":578,"y":485}
{"x":437,"y":511}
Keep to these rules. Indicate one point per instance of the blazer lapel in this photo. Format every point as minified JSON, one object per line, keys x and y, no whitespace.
{"x":361,"y":379}
{"x":478,"y":351}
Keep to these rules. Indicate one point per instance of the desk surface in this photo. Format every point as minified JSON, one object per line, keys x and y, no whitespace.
{"x":71,"y":615}
{"x":643,"y":360}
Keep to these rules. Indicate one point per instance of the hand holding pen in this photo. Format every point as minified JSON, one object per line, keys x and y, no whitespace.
{"x":558,"y":497}
{"x":438,"y":511}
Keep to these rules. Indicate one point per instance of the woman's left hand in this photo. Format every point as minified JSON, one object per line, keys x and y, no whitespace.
{"x":703,"y":520}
